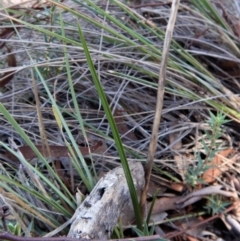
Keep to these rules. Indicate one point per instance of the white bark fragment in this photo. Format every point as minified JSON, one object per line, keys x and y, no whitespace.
{"x":96,"y":217}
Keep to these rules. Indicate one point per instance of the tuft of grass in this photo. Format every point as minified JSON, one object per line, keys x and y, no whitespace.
{"x":215,"y":205}
{"x":145,"y":232}
{"x":215,"y":123}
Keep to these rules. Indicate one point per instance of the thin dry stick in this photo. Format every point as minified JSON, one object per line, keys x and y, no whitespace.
{"x":40,"y":119}
{"x":160,"y":95}
{"x":41,"y":128}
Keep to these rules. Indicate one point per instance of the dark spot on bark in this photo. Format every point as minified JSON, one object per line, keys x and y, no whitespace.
{"x":87,"y":204}
{"x":101,"y":191}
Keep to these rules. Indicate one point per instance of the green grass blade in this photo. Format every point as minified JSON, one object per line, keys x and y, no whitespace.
{"x":115,"y":133}
{"x":206,"y":7}
{"x":76,"y":107}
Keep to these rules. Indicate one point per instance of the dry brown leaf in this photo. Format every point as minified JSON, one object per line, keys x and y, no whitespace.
{"x":164,"y":204}
{"x":154,"y":189}
{"x":122,"y":126}
{"x":216,"y":167}
{"x":56,"y":151}
{"x":178,"y":187}
{"x":160,"y":206}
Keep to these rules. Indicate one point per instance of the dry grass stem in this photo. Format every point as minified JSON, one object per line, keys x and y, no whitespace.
{"x":159,"y":103}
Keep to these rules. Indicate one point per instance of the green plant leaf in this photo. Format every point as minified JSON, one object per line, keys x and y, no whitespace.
{"x":114,"y":129}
